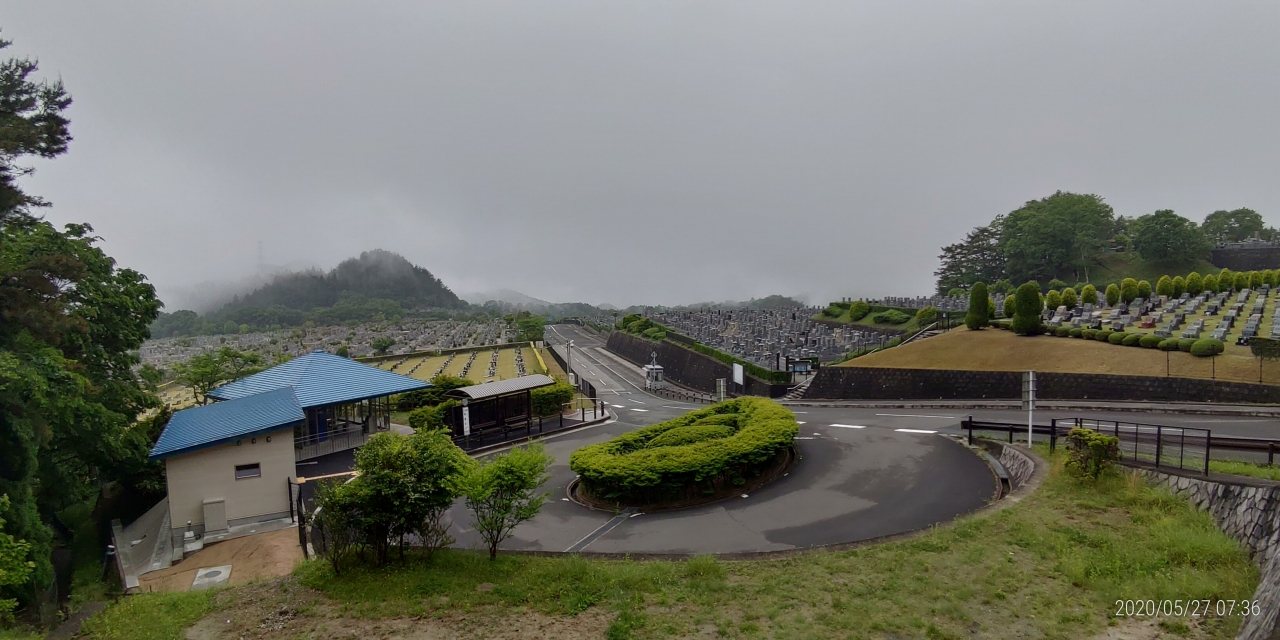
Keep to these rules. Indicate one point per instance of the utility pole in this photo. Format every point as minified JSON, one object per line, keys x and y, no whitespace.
{"x":1029,"y":401}
{"x":568,"y":361}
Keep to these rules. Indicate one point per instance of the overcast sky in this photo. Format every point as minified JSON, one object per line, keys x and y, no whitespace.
{"x":638,"y":152}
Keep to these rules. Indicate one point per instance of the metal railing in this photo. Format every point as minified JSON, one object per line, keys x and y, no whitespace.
{"x":315,"y":446}
{"x":1185,"y":448}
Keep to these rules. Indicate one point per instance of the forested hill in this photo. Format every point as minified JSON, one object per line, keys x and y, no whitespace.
{"x":375,"y":274}
{"x":378,"y":284}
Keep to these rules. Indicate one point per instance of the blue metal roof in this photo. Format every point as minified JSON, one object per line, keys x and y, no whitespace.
{"x":220,"y":422}
{"x":319,"y":379}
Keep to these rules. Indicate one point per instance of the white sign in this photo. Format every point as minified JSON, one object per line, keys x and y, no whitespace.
{"x":737,"y":374}
{"x":466,"y":421}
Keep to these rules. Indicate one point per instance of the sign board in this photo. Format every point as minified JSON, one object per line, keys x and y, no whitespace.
{"x":737,"y":374}
{"x":720,"y":389}
{"x":466,"y":421}
{"x":1029,"y":391}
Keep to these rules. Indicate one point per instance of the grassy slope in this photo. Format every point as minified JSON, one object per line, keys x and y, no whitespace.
{"x":1050,"y":566}
{"x":1114,"y":267}
{"x":996,"y":350}
{"x":909,"y":326}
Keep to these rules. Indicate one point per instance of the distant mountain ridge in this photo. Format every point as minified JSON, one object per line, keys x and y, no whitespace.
{"x":376,"y":274}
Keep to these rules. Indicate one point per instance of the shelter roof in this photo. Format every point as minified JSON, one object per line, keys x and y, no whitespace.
{"x":319,"y":378}
{"x":221,"y":422}
{"x":501,"y":387}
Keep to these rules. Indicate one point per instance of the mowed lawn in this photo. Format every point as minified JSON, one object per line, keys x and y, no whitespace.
{"x":1051,"y":566}
{"x":998,"y":350}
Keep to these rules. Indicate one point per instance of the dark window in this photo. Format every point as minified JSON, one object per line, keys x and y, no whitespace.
{"x":248,"y":471}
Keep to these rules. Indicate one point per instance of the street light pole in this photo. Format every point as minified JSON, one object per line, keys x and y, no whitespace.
{"x":568,"y":360}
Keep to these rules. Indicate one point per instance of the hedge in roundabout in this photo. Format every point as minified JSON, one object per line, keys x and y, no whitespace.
{"x":701,"y":453}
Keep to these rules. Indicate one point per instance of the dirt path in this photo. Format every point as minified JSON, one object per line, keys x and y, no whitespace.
{"x":265,"y":555}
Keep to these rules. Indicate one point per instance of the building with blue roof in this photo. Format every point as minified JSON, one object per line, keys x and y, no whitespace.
{"x":231,"y":463}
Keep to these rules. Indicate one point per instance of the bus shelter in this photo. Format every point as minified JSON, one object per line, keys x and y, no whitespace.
{"x":493,"y":410}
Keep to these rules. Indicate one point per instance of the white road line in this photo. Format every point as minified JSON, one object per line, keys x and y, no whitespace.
{"x":849,"y":426}
{"x":803,"y":438}
{"x":799,"y":421}
{"x":915,"y":431}
{"x":618,"y":406}
{"x":799,"y":412}
{"x":908,"y":415}
{"x":635,"y":401}
{"x":667,"y":406}
{"x":639,"y":409}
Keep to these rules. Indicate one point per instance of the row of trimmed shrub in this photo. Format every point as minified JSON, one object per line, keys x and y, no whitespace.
{"x":628,"y":470}
{"x":1200,"y":347}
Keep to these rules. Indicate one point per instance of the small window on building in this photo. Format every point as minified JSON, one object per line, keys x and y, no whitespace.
{"x":248,"y":471}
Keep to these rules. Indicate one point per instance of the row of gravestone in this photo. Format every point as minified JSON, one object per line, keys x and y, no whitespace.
{"x":1150,"y":313}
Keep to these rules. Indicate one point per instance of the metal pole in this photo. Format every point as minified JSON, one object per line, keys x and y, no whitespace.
{"x":1208,"y":444}
{"x":1159,"y":441}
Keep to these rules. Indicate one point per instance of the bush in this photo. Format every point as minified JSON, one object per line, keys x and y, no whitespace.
{"x":627,"y":469}
{"x":956,"y":292}
{"x":926,"y":316}
{"x":681,"y":436}
{"x":1131,"y":339}
{"x":833,"y":311}
{"x":1089,"y":295}
{"x":501,"y":492}
{"x":1179,"y":286}
{"x":1206,"y":347}
{"x":1168,"y":344}
{"x":1026,"y":313}
{"x":1057,"y":284}
{"x":1052,"y":301}
{"x":432,"y":417}
{"x":858,"y":310}
{"x":1255,"y":279}
{"x":891,"y":316}
{"x":1077,"y":333}
{"x":1103,"y":335}
{"x":1241,"y":280}
{"x":1164,"y":286}
{"x":977,"y":317}
{"x":1069,"y":298}
{"x":1226,"y":280}
{"x":1090,"y":453}
{"x":1010,"y":306}
{"x":1211,"y":283}
{"x":1195,"y":284}
{"x":1149,"y":341}
{"x":550,"y":401}
{"x":1144,"y":289}
{"x":1128,"y":290}
{"x":1113,"y":295}
{"x":1184,"y":344}
{"x":1117,"y":337}
{"x":1062,"y":332}
{"x":1089,"y":334}
{"x":1003,"y":286}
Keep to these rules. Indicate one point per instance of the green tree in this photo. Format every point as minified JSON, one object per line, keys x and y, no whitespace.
{"x":1144,"y":289}
{"x":1027,"y":307}
{"x":1194,"y":283}
{"x":1053,"y":236}
{"x":976,"y":318}
{"x":1113,"y":295}
{"x":1168,"y":237}
{"x":1179,"y":286}
{"x":1267,"y":276}
{"x":1069,"y":298}
{"x":381,"y":345}
{"x":72,"y":324}
{"x":1241,"y":281}
{"x":1052,"y":300}
{"x":1057,"y":285}
{"x":1232,"y":226}
{"x":1211,"y":283}
{"x":1164,"y":286}
{"x":1002,"y":286}
{"x":1089,"y":295}
{"x":502,"y":492}
{"x":926,"y":316}
{"x":1010,"y":305}
{"x":1226,"y":280}
{"x":1128,"y":290}
{"x":343,"y":351}
{"x":1255,"y":279}
{"x":974,"y":259}
{"x":15,"y":568}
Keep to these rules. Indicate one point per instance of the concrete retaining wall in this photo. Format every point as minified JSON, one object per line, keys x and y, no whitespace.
{"x":868,"y":383}
{"x":687,"y":367}
{"x":1248,"y":510}
{"x":1019,"y":466}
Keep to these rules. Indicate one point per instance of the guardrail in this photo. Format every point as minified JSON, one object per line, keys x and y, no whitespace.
{"x":1188,"y":448}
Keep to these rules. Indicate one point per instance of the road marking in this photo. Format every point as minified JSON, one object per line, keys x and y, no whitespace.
{"x":639,"y":409}
{"x":667,"y":406}
{"x":915,"y":431}
{"x":601,"y":530}
{"x":635,"y":401}
{"x":799,"y":412}
{"x":804,"y":437}
{"x":908,"y":415}
{"x":849,"y":426}
{"x":618,"y":406}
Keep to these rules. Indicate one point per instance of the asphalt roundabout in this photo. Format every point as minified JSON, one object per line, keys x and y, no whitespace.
{"x":847,"y":484}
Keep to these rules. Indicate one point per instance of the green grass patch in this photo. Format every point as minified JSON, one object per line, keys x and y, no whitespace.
{"x":149,"y":616}
{"x":1245,"y":469}
{"x":1050,"y":567}
{"x":910,"y":326}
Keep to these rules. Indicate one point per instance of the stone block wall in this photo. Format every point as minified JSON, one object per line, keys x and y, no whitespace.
{"x":687,"y":367}
{"x":1248,"y":510}
{"x":868,"y":383}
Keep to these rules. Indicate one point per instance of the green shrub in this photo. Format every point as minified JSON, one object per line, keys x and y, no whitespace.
{"x":627,"y":469}
{"x":858,"y":310}
{"x":1010,"y":306}
{"x":1144,"y":289}
{"x":1062,"y":332}
{"x":1206,"y":347}
{"x":1057,"y":284}
{"x":431,"y":417}
{"x":1089,"y":294}
{"x":550,"y":401}
{"x":1241,"y":280}
{"x":1255,"y":279}
{"x":926,"y":316}
{"x":1027,"y":307}
{"x":1268,"y":277}
{"x":1090,"y":453}
{"x":1184,"y":344}
{"x":1129,"y":289}
{"x":1149,"y":341}
{"x":1103,"y":335}
{"x":1077,"y":333}
{"x":1113,"y":295}
{"x":1003,"y":286}
{"x":693,"y":433}
{"x":1168,"y":344}
{"x":1211,"y":283}
{"x":1089,"y":334}
{"x":977,"y":317}
{"x":1179,"y":286}
{"x":1226,"y":280}
{"x":891,"y":316}
{"x":1164,"y":286}
{"x":1117,"y":337}
{"x":1069,"y":298}
{"x":833,"y":311}
{"x":956,"y":292}
{"x":1195,"y":284}
{"x":655,"y":333}
{"x":1052,"y":301}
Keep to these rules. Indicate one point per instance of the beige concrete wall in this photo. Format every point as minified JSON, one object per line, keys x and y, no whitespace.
{"x":210,"y":474}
